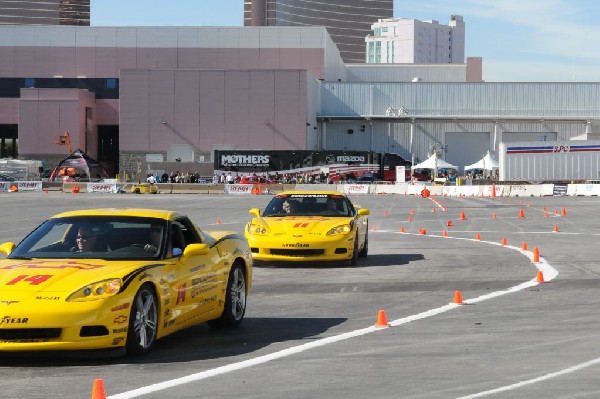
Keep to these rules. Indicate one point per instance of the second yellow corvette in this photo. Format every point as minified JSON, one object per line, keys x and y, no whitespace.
{"x":309,"y":226}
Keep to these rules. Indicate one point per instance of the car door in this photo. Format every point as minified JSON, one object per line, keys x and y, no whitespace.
{"x":197,"y":287}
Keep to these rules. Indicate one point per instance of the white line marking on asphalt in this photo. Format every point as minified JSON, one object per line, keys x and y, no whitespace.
{"x":548,"y":271}
{"x":533,"y":380}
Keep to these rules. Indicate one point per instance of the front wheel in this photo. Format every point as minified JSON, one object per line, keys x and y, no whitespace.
{"x":365,"y":249}
{"x":354,"y":259}
{"x":235,"y":299}
{"x":143,"y":322}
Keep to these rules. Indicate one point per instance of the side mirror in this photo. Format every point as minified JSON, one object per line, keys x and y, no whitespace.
{"x":7,"y":248}
{"x":255,"y":212}
{"x":195,"y":250}
{"x":363,"y":212}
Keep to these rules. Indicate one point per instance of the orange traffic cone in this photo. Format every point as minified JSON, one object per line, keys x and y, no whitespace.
{"x":546,"y":214}
{"x":98,"y":389}
{"x":433,"y":210}
{"x":503,"y":240}
{"x":458,"y":298}
{"x":218,"y":220}
{"x":412,"y":211}
{"x":478,"y":236}
{"x":410,"y":218}
{"x":385,"y":213}
{"x":449,"y":224}
{"x":13,"y":189}
{"x":540,"y":277}
{"x":462,"y":215}
{"x":524,"y":246}
{"x":564,"y":212}
{"x":555,"y":229}
{"x":402,"y":229}
{"x":382,"y":319}
{"x":423,"y":232}
{"x":493,"y":216}
{"x":536,"y":254}
{"x":444,"y":233}
{"x":522,"y":213}
{"x":374,"y":228}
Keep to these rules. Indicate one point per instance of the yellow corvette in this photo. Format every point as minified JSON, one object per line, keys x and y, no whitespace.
{"x":309,"y":226}
{"x":119,"y":278}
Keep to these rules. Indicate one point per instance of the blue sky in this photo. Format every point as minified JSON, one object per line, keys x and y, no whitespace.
{"x":519,"y":40}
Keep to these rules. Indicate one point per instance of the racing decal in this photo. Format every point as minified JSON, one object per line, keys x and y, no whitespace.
{"x":25,"y":341}
{"x":119,"y":330}
{"x":120,"y":320}
{"x":196,"y":268}
{"x":32,"y":280}
{"x":145,"y":276}
{"x":167,"y":302}
{"x":120,"y":307}
{"x":47,"y":298}
{"x":118,"y":341}
{"x":228,"y":237}
{"x":300,"y":225}
{"x":52,"y":265}
{"x":297,"y":245}
{"x":4,"y":302}
{"x":14,"y":320}
{"x":129,"y":278}
{"x":181,"y":293}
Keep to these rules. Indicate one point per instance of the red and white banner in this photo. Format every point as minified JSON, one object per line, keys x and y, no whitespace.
{"x":101,"y":187}
{"x":356,"y":188}
{"x":238,"y":189}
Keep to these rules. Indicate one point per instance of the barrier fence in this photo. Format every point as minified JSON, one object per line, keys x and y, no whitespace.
{"x":500,"y":190}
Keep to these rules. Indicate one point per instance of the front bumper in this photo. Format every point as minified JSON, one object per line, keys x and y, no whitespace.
{"x":334,"y":248}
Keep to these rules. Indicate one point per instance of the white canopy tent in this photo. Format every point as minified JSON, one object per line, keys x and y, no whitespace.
{"x":432,"y":162}
{"x":485,"y":163}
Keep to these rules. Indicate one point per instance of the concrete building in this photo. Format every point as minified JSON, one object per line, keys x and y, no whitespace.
{"x":142,"y":97}
{"x":410,"y":41}
{"x":347,"y":21}
{"x":45,"y":12}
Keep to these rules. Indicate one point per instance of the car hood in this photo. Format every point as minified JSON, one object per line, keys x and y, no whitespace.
{"x":297,"y":225}
{"x":57,"y":276}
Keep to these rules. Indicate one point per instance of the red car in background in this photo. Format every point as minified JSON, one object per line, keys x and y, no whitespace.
{"x":255,"y":180}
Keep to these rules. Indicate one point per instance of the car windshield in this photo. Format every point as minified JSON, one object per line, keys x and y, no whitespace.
{"x":309,"y":205}
{"x":95,"y":237}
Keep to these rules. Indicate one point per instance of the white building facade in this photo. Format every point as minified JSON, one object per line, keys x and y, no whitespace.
{"x":410,"y":41}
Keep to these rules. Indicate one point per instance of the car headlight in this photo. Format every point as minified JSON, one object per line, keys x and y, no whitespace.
{"x":254,"y":228}
{"x":95,"y":291}
{"x":342,"y":229}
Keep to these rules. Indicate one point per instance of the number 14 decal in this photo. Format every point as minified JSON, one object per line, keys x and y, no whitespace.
{"x":33,"y":280}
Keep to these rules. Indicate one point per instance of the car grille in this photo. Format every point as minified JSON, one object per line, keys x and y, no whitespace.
{"x":297,"y":252}
{"x":29,"y":333}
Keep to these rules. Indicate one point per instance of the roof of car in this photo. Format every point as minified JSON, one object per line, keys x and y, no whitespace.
{"x":336,"y":193}
{"x":134,"y":212}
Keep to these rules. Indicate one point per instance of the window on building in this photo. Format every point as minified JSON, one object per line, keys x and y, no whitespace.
{"x":29,"y":82}
{"x":111,"y":83}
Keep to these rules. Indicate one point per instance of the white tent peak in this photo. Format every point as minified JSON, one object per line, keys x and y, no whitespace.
{"x":487,"y":163}
{"x":430,"y":163}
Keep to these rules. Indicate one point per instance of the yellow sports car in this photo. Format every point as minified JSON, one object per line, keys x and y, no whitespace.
{"x":111,"y":278}
{"x":309,"y":226}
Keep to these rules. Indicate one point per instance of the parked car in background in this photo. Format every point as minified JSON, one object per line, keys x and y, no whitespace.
{"x":4,"y":177}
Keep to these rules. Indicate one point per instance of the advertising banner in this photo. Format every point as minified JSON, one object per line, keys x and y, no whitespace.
{"x":102,"y":188}
{"x":238,"y":189}
{"x":356,"y":189}
{"x":29,"y":185}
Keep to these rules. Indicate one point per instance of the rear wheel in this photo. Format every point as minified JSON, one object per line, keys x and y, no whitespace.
{"x":143,"y":322}
{"x":235,"y":299}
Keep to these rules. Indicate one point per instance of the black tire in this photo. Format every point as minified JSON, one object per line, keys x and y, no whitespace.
{"x":354,"y":259}
{"x":365,"y":249}
{"x":235,"y":299}
{"x":143,"y":322}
